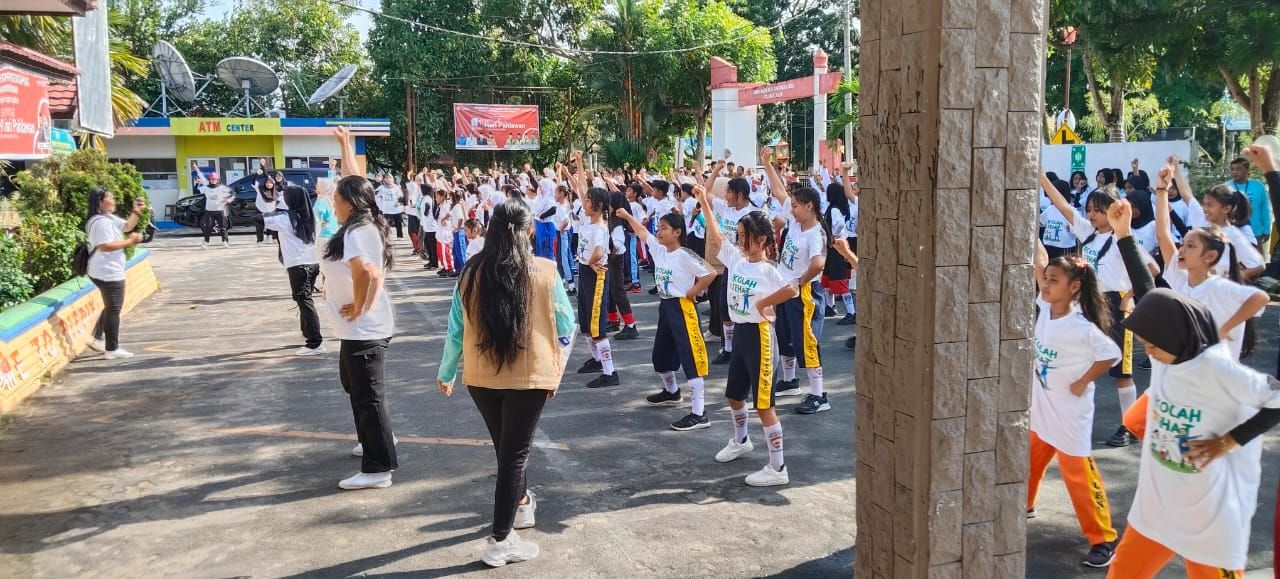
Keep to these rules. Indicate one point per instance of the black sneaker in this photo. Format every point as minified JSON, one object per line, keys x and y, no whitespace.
{"x":1099,"y":556}
{"x":848,"y":320}
{"x":1031,"y":513}
{"x":830,"y":312}
{"x":787,"y":388}
{"x":813,"y":404}
{"x":604,"y":380}
{"x":572,"y":292}
{"x":614,"y":326}
{"x":692,"y":422}
{"x":722,"y":358}
{"x":627,"y":333}
{"x":654,"y":291}
{"x":663,"y":398}
{"x":591,"y":366}
{"x":851,"y":342}
{"x":1122,"y":438}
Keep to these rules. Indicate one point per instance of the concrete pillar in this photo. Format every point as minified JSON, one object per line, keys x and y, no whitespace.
{"x":733,"y":127}
{"x":819,"y":108}
{"x":948,"y":148}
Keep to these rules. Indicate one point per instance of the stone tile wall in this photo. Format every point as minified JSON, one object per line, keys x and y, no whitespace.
{"x":948,"y":153}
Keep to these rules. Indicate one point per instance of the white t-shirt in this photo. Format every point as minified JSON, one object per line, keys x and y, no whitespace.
{"x":838,"y":223}
{"x":293,"y":250}
{"x":106,"y":265}
{"x":456,"y":219}
{"x":217,"y":198}
{"x":618,"y":241}
{"x":697,"y":228}
{"x":660,"y":207}
{"x":580,"y":218}
{"x":1246,"y":253}
{"x":799,"y":249}
{"x":445,"y":224}
{"x":1202,"y":515}
{"x":675,"y":272}
{"x":539,"y":205}
{"x":564,"y":217}
{"x":748,"y":283}
{"x":1222,"y":296}
{"x":1065,"y":348}
{"x":1057,"y":230}
{"x":264,"y":206}
{"x":425,"y":205}
{"x":388,"y":199}
{"x":727,"y":218}
{"x":547,"y":187}
{"x":474,"y":246}
{"x":638,"y":211}
{"x":851,"y":225}
{"x":1112,"y":276}
{"x":591,"y":236}
{"x":379,"y":322}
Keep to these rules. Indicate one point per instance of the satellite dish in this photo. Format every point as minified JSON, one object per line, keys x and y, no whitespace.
{"x":252,"y":78}
{"x":333,"y":86}
{"x":174,"y":73}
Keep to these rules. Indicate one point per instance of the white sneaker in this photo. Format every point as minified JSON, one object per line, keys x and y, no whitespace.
{"x":98,"y":346}
{"x":733,"y":451}
{"x":204,"y":245}
{"x":525,"y":513}
{"x":511,"y":550}
{"x":359,"y":448}
{"x":767,"y":477}
{"x":118,"y":353}
{"x":316,"y":351}
{"x":366,"y":480}
{"x":226,"y":244}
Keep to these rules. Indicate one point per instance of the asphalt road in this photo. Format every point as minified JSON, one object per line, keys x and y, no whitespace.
{"x":216,"y":453}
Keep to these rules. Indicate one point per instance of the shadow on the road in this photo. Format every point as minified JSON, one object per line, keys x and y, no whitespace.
{"x":362,"y":566}
{"x":838,"y":564}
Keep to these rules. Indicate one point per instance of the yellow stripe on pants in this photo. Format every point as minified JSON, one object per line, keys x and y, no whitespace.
{"x":764,"y":386}
{"x":694,"y":329}
{"x":1126,"y":354}
{"x":597,"y":303}
{"x":809,"y":340}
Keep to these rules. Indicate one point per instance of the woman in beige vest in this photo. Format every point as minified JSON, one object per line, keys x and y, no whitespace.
{"x":512,"y":325}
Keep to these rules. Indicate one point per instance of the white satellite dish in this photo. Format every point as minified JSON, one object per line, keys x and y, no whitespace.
{"x":333,"y":86}
{"x":252,"y":78}
{"x":176,"y":80}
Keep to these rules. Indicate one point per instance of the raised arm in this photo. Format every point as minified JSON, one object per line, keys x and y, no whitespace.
{"x":1168,"y":250}
{"x":1041,"y":262}
{"x":642,"y":234}
{"x":349,"y":166}
{"x":1262,"y":159}
{"x":714,"y":235}
{"x":1057,"y":199}
{"x":1120,"y":215}
{"x":777,"y":187}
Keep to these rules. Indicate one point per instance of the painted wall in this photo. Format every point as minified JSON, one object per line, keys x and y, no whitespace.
{"x":733,"y":127}
{"x":41,"y":336}
{"x":1151,"y":155}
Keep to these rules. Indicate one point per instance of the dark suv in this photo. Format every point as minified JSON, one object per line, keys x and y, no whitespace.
{"x":189,"y":210}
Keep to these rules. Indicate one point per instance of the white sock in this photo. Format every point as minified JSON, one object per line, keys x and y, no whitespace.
{"x":1128,"y":395}
{"x":788,"y":368}
{"x":698,"y":386}
{"x":849,"y":308}
{"x":815,"y":380}
{"x":606,"y":356}
{"x":830,"y":299}
{"x":591,"y":345}
{"x":773,"y":438}
{"x":669,"y":382}
{"x":728,"y":338}
{"x":740,"y":425}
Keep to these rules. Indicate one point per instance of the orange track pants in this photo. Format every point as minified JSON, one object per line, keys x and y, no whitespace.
{"x":1135,"y":419}
{"x":1084,"y":485}
{"x":1138,"y":557}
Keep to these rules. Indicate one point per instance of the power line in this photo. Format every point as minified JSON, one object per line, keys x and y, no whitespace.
{"x":560,"y":49}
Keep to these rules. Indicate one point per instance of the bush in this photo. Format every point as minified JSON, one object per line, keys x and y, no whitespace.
{"x":49,"y":240}
{"x":15,"y":285}
{"x":63,"y":185}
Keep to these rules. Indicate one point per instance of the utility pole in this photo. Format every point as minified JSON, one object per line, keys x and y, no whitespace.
{"x":410,"y":128}
{"x":848,"y":74}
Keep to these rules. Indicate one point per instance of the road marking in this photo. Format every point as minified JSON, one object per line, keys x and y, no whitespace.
{"x":424,"y":440}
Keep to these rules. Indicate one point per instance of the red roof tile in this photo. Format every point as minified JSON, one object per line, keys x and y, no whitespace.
{"x":62,"y":99}
{"x":37,"y":61}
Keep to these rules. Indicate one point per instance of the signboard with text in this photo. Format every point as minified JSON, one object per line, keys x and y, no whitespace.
{"x":478,"y":127}
{"x":24,"y":115}
{"x":223,"y":127}
{"x":796,"y":88}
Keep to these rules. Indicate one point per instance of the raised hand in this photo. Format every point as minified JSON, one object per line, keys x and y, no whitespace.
{"x":1261,"y":156}
{"x":1120,"y":216}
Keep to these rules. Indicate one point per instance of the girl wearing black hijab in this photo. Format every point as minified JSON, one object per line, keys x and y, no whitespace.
{"x":296,"y":227}
{"x":1200,"y":465}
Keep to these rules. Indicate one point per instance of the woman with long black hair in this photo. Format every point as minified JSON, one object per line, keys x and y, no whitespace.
{"x":353,"y":266}
{"x":835,"y":274}
{"x":267,"y":200}
{"x":106,"y":268}
{"x":512,"y":326}
{"x":620,"y":234}
{"x":295,"y":227}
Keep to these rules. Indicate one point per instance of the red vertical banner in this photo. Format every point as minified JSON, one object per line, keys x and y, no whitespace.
{"x":478,"y":127}
{"x":25,"y":125}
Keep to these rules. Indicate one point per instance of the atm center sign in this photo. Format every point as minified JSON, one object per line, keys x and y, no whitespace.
{"x":223,"y":127}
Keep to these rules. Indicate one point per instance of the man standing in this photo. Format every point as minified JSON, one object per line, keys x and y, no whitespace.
{"x":216,"y":199}
{"x":1256,"y":193}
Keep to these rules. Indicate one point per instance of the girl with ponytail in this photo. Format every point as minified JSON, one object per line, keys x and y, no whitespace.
{"x":1072,"y":350}
{"x":1228,"y":210}
{"x":354,"y":267}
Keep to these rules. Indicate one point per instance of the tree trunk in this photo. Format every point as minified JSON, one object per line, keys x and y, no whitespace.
{"x":1271,"y":104}
{"x":1115,"y":118}
{"x":700,"y":150}
{"x":1255,"y":102}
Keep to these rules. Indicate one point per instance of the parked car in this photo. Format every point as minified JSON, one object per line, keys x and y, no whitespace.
{"x":189,"y":210}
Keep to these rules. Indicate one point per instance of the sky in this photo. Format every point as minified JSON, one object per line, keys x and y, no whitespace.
{"x":362,"y":20}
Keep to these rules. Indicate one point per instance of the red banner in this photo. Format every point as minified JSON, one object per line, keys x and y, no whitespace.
{"x":787,"y":90}
{"x":495,"y":127}
{"x":24,"y":115}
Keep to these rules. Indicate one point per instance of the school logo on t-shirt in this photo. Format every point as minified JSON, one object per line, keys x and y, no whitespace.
{"x":1091,"y":256}
{"x":662,"y":275}
{"x":1053,"y":231}
{"x":788,"y":254}
{"x":741,"y":287}
{"x":1173,"y":425}
{"x":1044,"y":356}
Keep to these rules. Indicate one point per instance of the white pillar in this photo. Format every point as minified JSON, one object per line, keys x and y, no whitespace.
{"x":733,"y":127}
{"x":819,"y":107}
